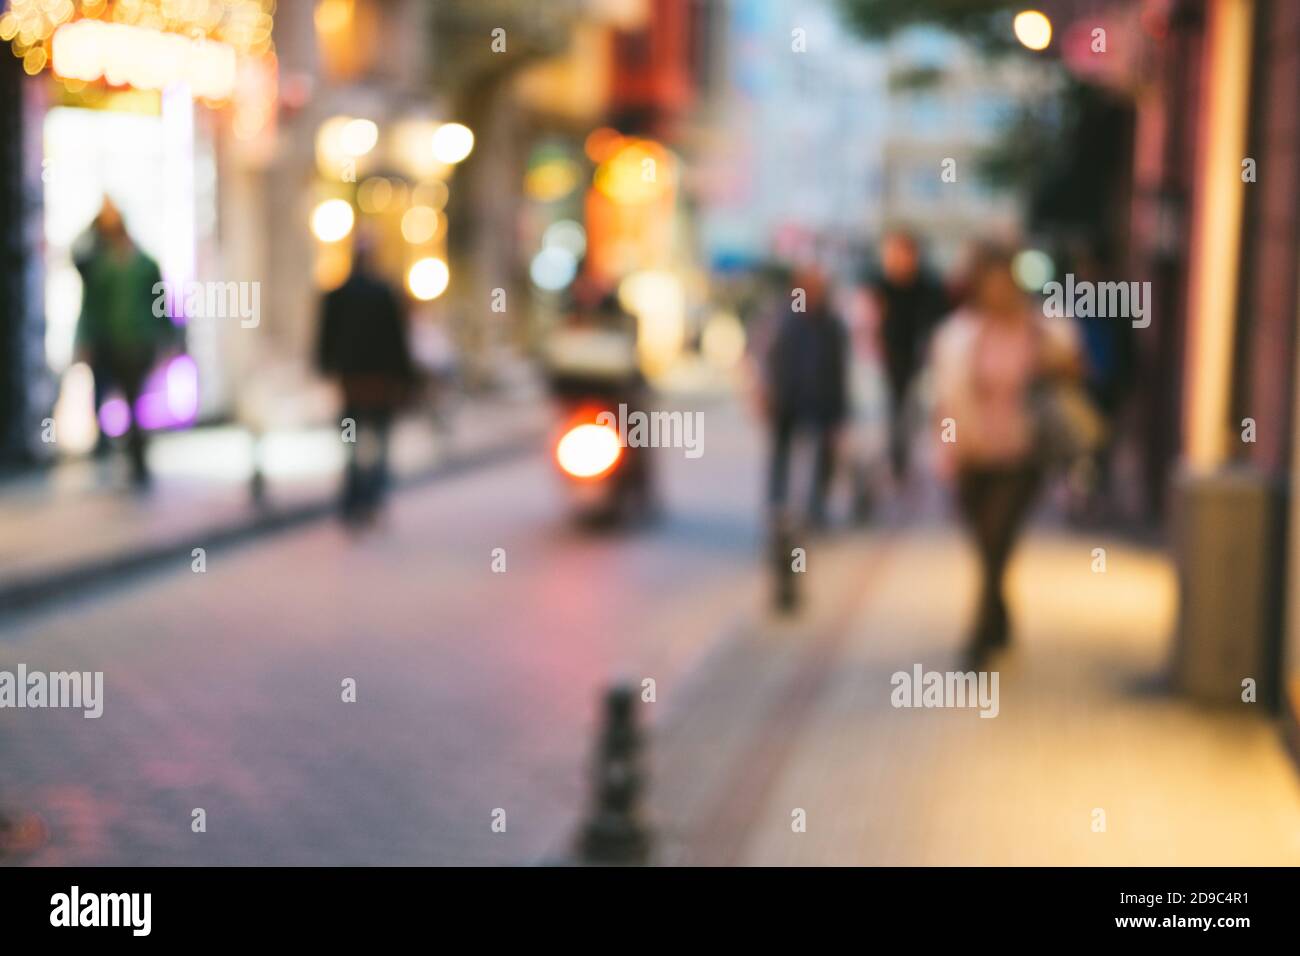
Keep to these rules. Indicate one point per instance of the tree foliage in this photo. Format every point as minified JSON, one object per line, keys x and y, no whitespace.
{"x":986,"y":23}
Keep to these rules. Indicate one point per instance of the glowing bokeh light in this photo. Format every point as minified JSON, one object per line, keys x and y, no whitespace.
{"x":182,"y":389}
{"x":1033,"y":29}
{"x":434,"y":194}
{"x":114,"y":417}
{"x":375,"y":194}
{"x":420,"y":224}
{"x":332,"y":220}
{"x":127,"y":55}
{"x":568,"y":235}
{"x":358,"y":137}
{"x":602,"y":143}
{"x":333,"y":16}
{"x":638,"y":172}
{"x":452,"y":142}
{"x":553,"y":268}
{"x":588,"y":450}
{"x":74,"y":412}
{"x":1032,"y":269}
{"x":428,"y":278}
{"x":552,"y":179}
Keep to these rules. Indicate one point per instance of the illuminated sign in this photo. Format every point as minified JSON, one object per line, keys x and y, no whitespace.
{"x":125,"y":55}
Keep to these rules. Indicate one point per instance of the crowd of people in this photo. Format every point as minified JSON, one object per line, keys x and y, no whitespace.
{"x":1012,"y":397}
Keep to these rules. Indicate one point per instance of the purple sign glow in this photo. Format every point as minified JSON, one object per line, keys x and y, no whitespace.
{"x":170,"y":400}
{"x":114,"y":417}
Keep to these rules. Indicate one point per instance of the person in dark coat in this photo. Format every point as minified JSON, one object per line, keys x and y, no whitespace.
{"x":1110,"y":374}
{"x":806,"y":373}
{"x":363,"y":344}
{"x":910,"y":302}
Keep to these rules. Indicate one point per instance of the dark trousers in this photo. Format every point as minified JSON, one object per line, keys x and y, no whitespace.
{"x":365,"y":482}
{"x":103,"y":386}
{"x":129,"y":374}
{"x":822,"y":437}
{"x":994,"y":502}
{"x":899,"y":382}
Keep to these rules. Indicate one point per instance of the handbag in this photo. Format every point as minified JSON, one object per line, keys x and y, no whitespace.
{"x":1067,"y":422}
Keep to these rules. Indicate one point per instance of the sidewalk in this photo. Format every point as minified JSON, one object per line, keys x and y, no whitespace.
{"x":799,"y":716}
{"x":81,"y":523}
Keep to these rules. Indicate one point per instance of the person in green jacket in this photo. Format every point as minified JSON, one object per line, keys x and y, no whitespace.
{"x":118,"y":333}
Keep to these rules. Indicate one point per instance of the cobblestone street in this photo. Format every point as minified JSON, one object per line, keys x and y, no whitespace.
{"x":478,"y":691}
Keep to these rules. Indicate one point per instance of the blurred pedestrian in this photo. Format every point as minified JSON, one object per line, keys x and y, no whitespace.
{"x":909,"y":302}
{"x":363,"y":344}
{"x":120,"y":333}
{"x":806,"y":389}
{"x":866,"y":447}
{"x":995,"y":363}
{"x":1110,"y":372}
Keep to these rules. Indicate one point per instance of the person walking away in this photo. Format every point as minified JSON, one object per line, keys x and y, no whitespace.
{"x":1110,"y":370}
{"x":909,"y":301}
{"x":120,"y":333}
{"x":806,"y":390}
{"x":363,"y":345}
{"x":993,"y":361}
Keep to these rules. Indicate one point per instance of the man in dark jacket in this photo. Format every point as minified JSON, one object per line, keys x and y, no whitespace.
{"x":806,"y":388}
{"x":363,"y":344}
{"x":910,"y":303}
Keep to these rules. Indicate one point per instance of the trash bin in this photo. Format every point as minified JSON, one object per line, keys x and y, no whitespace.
{"x":1229,"y":537}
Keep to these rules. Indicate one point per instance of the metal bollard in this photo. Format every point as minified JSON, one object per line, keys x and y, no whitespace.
{"x":615,"y":834}
{"x":782,"y":543}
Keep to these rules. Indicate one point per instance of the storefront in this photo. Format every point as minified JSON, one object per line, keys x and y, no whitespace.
{"x":129,"y":104}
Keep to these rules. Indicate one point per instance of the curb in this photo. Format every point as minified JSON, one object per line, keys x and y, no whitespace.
{"x":32,"y":592}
